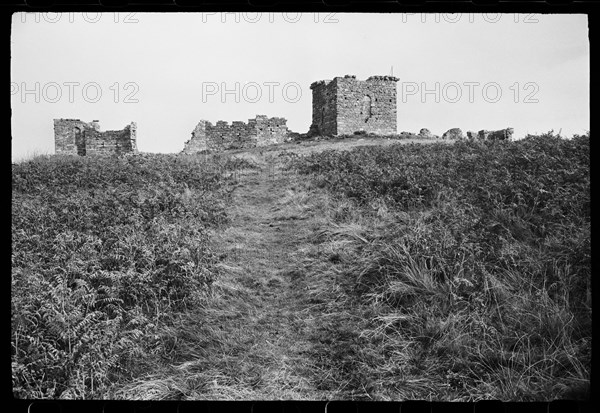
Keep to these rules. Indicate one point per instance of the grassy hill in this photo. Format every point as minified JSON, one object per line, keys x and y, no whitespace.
{"x":358,"y":269}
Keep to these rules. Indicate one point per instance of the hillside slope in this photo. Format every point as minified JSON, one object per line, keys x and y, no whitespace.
{"x":436,"y":272}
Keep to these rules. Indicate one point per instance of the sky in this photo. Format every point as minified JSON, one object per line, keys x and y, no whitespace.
{"x":167,"y":71}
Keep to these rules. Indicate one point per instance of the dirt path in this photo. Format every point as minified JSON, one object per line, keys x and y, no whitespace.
{"x":264,"y":244}
{"x":267,"y":331}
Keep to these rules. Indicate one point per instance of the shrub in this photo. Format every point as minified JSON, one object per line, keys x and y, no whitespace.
{"x":487,"y":264}
{"x":103,"y":249}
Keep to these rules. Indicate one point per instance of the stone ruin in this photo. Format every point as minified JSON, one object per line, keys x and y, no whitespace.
{"x":454,"y":133}
{"x":425,"y":133}
{"x":345,"y":105}
{"x":341,"y":106}
{"x":260,"y":131}
{"x":72,"y":136}
{"x":502,"y":134}
{"x":457,"y":134}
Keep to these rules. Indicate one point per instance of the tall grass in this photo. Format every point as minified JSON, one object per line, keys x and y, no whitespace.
{"x":105,"y":251}
{"x":480,"y":279}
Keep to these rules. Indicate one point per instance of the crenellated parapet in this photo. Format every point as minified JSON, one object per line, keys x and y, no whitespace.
{"x":260,"y":131}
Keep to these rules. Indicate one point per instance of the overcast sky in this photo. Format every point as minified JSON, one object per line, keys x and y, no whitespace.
{"x":167,"y":71}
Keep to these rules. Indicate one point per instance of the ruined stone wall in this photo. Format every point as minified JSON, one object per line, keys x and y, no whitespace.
{"x":260,"y":131}
{"x":270,"y":131}
{"x":198,"y":141}
{"x":324,"y":116}
{"x":132,"y":136}
{"x":502,"y":134}
{"x":112,"y":142}
{"x":72,"y":136}
{"x":368,"y":106}
{"x":223,"y":136}
{"x":346,"y":105}
{"x":69,"y":135}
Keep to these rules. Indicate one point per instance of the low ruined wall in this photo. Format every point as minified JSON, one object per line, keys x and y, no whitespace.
{"x":223,"y":136}
{"x":270,"y":131}
{"x":502,"y":134}
{"x":72,"y":136}
{"x":111,"y":142}
{"x":260,"y":131}
{"x":198,"y":142}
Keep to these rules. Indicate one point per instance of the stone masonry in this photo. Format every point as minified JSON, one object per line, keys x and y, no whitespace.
{"x":72,"y":136}
{"x":260,"y":131}
{"x":502,"y":134}
{"x":346,"y":105}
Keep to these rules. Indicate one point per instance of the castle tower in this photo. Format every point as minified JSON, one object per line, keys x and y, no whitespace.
{"x":346,"y":105}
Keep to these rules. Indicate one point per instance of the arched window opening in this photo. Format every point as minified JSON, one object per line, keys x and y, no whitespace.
{"x":80,"y":142}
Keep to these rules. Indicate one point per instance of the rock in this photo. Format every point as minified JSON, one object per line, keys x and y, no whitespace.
{"x":425,"y":133}
{"x":408,"y":135}
{"x":454,"y":133}
{"x":502,"y":134}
